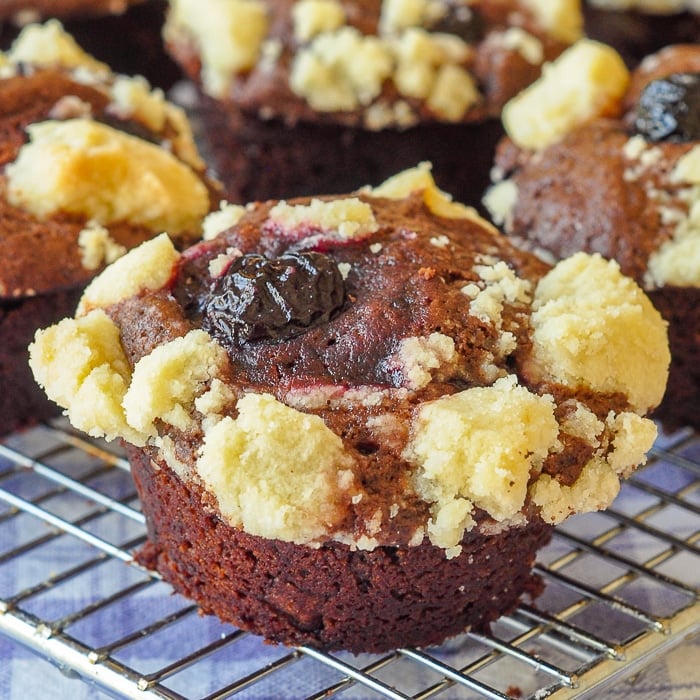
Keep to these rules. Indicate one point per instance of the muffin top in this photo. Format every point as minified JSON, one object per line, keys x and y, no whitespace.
{"x":374,"y":63}
{"x":91,"y":164}
{"x":609,"y":165}
{"x":378,"y":368}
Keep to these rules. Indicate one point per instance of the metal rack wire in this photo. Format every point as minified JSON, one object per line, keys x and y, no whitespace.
{"x":621,"y":587}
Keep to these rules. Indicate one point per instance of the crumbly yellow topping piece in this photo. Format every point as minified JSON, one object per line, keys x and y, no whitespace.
{"x":312,"y":17}
{"x":480,"y":446}
{"x":561,"y":18}
{"x":398,"y":15}
{"x":500,"y":200}
{"x":350,"y":218}
{"x":677,"y":262}
{"x":48,"y":45}
{"x":148,"y":266}
{"x":341,"y":70}
{"x":420,"y":359}
{"x":587,"y":81}
{"x":275,"y":471}
{"x":228,"y":33}
{"x":599,"y":481}
{"x":418,"y":179}
{"x":82,"y":367}
{"x":97,"y":247}
{"x":226,"y":216}
{"x":105,"y":175}
{"x":166,"y":382}
{"x":595,"y":328}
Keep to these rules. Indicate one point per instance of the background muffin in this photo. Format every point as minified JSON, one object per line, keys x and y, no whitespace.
{"x":612,"y":165}
{"x":91,"y":164}
{"x":354,"y":419}
{"x":325,"y":95}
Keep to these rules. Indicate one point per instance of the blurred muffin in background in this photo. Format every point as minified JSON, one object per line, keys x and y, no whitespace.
{"x":609,"y":162}
{"x":325,"y":95}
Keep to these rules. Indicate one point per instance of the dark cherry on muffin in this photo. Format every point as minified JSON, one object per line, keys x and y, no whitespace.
{"x":91,"y":164}
{"x":354,"y":419}
{"x":325,"y":95}
{"x":621,"y":179}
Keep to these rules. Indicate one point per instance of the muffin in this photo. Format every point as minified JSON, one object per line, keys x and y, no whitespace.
{"x":611,"y":164}
{"x":637,"y":28}
{"x":91,"y":164}
{"x":353,"y":420}
{"x":326,"y":95}
{"x":125,"y":34}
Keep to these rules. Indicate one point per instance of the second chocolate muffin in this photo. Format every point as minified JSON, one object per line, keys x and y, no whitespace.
{"x":612,"y":165}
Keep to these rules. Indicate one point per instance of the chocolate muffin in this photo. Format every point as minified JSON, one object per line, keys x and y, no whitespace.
{"x":622,"y":181}
{"x":353,"y":420}
{"x":637,"y":28}
{"x":91,"y":164}
{"x":325,"y":95}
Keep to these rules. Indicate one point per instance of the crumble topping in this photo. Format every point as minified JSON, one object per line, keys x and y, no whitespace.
{"x":97,"y":247}
{"x":82,"y":367}
{"x":585,"y":82}
{"x":333,"y":65}
{"x":420,"y":358}
{"x":677,"y":262}
{"x":229,"y":35}
{"x":341,"y":70}
{"x":166,"y":382}
{"x":348,"y":218}
{"x":477,"y":448}
{"x":217,"y":221}
{"x":276,"y":470}
{"x":149,"y":266}
{"x":527,"y":45}
{"x":499,"y":200}
{"x":48,"y":45}
{"x":595,"y":328}
{"x":420,"y":179}
{"x":106,"y":175}
{"x":561,"y":18}
{"x":312,"y":17}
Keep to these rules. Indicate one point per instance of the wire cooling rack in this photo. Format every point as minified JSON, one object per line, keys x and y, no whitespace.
{"x":621,"y":587}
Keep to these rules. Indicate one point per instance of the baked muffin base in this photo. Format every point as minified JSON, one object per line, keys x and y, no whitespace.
{"x":331,"y":597}
{"x":22,"y":402}
{"x":258,"y":160}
